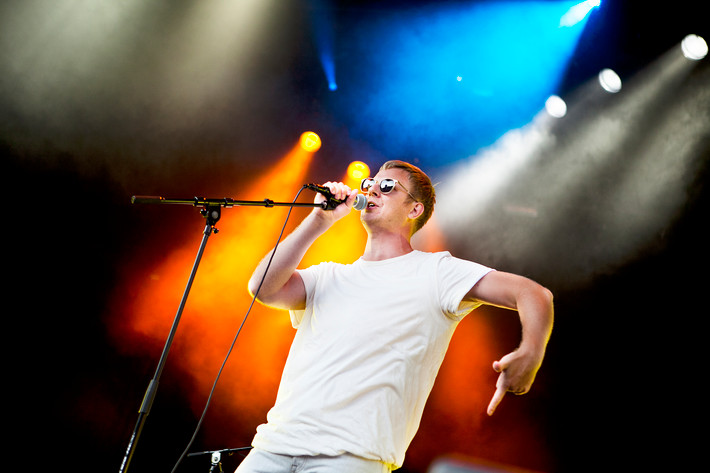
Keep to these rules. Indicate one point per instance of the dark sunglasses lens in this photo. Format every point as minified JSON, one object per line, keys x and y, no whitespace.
{"x":366,"y":184}
{"x":387,"y":186}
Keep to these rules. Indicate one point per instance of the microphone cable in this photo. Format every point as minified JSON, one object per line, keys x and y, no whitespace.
{"x":236,"y":336}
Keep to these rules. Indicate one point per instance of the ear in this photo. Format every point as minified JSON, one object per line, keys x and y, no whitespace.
{"x":416,"y":211}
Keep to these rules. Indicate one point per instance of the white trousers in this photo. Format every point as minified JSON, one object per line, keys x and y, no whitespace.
{"x":260,"y":461}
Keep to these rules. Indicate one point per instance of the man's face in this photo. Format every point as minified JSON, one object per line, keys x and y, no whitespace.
{"x":391,"y":211}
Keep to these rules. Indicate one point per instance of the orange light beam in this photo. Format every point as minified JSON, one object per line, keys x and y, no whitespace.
{"x":217,"y":303}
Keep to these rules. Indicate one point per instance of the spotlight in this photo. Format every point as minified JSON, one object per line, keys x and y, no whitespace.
{"x":694,"y":47}
{"x":357,"y":170}
{"x":610,"y":81}
{"x":555,"y":106}
{"x":310,"y":141}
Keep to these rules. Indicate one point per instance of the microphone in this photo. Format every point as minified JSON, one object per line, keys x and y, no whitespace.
{"x":332,"y":202}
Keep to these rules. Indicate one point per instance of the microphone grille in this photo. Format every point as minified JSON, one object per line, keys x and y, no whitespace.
{"x":360,"y":202}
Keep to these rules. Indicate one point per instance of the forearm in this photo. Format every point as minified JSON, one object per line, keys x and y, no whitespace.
{"x":533,"y":302}
{"x":536,"y":311}
{"x":519,"y":368}
{"x":289,"y":254}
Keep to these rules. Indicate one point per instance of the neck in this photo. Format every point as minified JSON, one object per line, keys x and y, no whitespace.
{"x":381,"y":246}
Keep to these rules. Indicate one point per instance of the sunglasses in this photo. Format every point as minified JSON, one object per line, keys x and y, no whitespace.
{"x":386,"y":186}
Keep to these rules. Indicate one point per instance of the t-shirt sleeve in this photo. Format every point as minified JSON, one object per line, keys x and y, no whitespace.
{"x":309,"y":276}
{"x":455,"y":277}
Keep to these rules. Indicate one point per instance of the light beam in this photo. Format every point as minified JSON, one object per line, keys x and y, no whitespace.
{"x":217,"y":303}
{"x":603,"y":185}
{"x":578,"y":13}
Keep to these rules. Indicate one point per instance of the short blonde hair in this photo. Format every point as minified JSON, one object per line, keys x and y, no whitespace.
{"x":421,"y":188}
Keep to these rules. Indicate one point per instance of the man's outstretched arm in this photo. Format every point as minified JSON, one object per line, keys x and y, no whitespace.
{"x":534,"y":304}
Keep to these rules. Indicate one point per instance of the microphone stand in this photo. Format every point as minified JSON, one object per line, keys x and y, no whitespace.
{"x":211,"y":210}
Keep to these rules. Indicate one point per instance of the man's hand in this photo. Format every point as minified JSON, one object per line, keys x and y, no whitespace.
{"x":340,"y":191}
{"x":517,"y":374}
{"x":535,"y":309}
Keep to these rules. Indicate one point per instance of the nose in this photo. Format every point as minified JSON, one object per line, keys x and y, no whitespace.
{"x":372,"y":190}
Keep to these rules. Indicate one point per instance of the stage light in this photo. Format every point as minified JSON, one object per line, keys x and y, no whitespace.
{"x":555,"y":106}
{"x":357,"y":170}
{"x":578,"y":13}
{"x":610,"y":81}
{"x":575,"y":177}
{"x":694,"y":47}
{"x":310,"y":141}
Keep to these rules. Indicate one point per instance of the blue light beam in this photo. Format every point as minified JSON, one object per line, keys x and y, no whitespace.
{"x":578,"y":13}
{"x":322,"y":24}
{"x":441,"y":82}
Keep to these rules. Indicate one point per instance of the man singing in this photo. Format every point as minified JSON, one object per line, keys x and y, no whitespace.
{"x":372,"y":335}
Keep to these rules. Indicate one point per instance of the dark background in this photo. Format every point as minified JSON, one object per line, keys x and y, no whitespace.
{"x":625,"y":368}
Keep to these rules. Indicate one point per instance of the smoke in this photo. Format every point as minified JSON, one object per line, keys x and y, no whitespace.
{"x":564,"y":201}
{"x":148,"y":89}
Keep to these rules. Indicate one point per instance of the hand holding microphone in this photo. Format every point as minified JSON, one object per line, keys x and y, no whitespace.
{"x":332,"y":202}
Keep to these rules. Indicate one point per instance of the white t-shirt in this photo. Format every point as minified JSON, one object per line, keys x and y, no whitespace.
{"x":365,"y":355}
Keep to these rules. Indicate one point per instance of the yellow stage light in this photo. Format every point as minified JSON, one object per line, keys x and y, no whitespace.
{"x":310,"y":141}
{"x":357,"y":170}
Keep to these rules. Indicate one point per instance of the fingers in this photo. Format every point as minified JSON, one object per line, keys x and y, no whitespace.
{"x":340,"y":202}
{"x":497,"y":398}
{"x":340,"y":191}
{"x":505,"y":384}
{"x":501,"y":388}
